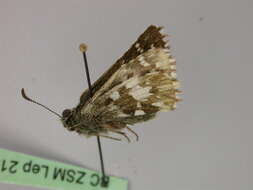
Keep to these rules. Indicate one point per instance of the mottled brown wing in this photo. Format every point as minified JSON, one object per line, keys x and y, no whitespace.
{"x":137,"y":90}
{"x":150,"y":38}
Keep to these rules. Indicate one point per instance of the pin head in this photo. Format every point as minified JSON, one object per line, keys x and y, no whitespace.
{"x":83,"y":47}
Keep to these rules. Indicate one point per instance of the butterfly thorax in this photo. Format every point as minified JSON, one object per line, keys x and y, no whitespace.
{"x":73,"y":120}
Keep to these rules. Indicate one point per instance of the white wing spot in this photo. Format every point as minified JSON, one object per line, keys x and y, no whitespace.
{"x":140,"y":50}
{"x":140,"y":93}
{"x":152,"y":72}
{"x":139,"y":112}
{"x":163,"y":64}
{"x":123,"y":115}
{"x":115,"y":95}
{"x":172,"y":60}
{"x":144,"y":63}
{"x":167,"y":51}
{"x":158,"y":104}
{"x":173,"y":75}
{"x":132,"y":82}
{"x":141,"y":58}
{"x":172,"y":67}
{"x":162,"y":60}
{"x":112,"y":107}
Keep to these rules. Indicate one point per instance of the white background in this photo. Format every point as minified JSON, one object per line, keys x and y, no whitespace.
{"x":206,"y":144}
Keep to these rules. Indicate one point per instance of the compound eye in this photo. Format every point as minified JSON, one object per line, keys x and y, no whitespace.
{"x":66,"y":113}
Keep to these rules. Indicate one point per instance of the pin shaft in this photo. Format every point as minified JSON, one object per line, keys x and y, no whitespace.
{"x":104,"y":179}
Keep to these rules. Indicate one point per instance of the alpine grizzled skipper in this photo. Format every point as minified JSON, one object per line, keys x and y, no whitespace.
{"x":140,"y":84}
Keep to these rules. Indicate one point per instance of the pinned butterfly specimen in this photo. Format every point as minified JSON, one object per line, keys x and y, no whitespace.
{"x":140,"y":84}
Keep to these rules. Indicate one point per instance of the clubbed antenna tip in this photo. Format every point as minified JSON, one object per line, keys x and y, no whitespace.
{"x":35,"y":102}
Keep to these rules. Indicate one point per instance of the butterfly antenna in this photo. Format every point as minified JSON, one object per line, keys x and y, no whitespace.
{"x":35,"y":102}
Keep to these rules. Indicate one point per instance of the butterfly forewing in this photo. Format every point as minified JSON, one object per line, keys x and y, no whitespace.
{"x":151,"y":37}
{"x":138,"y":85}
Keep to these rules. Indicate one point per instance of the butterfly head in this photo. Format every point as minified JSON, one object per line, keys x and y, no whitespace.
{"x":66,"y":114}
{"x":68,"y":120}
{"x":72,"y":121}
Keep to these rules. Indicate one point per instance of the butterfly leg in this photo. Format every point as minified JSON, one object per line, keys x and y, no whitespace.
{"x":132,"y":131}
{"x":108,"y":137}
{"x":113,"y":129}
{"x":121,"y":133}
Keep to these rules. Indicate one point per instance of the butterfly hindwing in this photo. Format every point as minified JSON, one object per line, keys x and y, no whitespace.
{"x":137,"y":90}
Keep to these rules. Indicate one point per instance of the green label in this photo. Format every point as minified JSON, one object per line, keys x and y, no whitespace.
{"x":21,"y":169}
